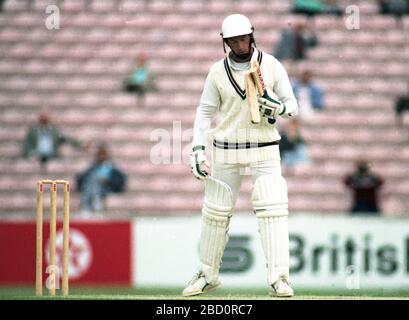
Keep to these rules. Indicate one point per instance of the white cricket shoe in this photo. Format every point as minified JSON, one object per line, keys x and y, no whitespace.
{"x":198,"y":285}
{"x":281,"y":288}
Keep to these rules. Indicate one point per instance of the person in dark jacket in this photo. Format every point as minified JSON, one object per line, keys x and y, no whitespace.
{"x":295,"y":42}
{"x":44,"y":140}
{"x":365,"y":186}
{"x":100,"y":179}
{"x":401,"y":106}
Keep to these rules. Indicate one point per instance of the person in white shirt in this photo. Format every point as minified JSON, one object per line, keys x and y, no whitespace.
{"x":239,"y":144}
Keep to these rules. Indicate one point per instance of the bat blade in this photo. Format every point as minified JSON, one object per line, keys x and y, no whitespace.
{"x":257,"y":77}
{"x":252,"y":99}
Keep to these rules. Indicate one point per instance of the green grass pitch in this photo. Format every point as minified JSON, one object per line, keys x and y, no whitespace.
{"x":124,"y":293}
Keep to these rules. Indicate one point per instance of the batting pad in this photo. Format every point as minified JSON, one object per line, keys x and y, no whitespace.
{"x":216,"y":212}
{"x":270,"y":202}
{"x":269,"y":196}
{"x":275,"y":242}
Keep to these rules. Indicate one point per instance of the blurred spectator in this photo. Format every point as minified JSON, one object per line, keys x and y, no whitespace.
{"x":295,"y":42}
{"x":395,"y":7}
{"x":100,"y":179}
{"x":401,"y":105}
{"x":314,"y":7}
{"x":309,"y":95}
{"x":140,"y":81}
{"x":308,"y":7}
{"x":1,"y":5}
{"x":332,"y":7}
{"x":292,"y":146}
{"x":44,"y":141}
{"x":365,"y":187}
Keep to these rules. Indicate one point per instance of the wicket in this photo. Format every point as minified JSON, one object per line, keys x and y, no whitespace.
{"x":53,"y":231}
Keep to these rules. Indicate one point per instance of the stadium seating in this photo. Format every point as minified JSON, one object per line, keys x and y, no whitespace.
{"x":76,"y":74}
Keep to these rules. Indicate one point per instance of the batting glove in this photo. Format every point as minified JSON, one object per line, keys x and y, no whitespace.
{"x":199,"y":162}
{"x":270,"y":108}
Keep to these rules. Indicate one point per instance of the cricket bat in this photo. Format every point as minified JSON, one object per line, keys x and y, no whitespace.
{"x":251,"y":91}
{"x":257,"y":77}
{"x":254,"y":85}
{"x":258,"y":80}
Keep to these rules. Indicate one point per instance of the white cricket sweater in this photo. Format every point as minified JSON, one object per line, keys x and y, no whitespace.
{"x":224,"y":94}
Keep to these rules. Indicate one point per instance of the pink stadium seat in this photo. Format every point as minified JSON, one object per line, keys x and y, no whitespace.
{"x":122,"y":101}
{"x":191,"y":7}
{"x":89,"y":101}
{"x":393,"y":207}
{"x":22,"y":51}
{"x":9,"y":66}
{"x":51,"y":51}
{"x":218,"y":8}
{"x":267,"y":40}
{"x":12,"y":35}
{"x":47,"y":84}
{"x":131,"y":6}
{"x":263,"y":22}
{"x":324,"y":22}
{"x":84,"y":20}
{"x":395,"y":69}
{"x":38,"y":67}
{"x":100,"y":67}
{"x":73,"y":5}
{"x":110,"y":52}
{"x":281,"y":7}
{"x":127,"y":36}
{"x":80,"y":52}
{"x":17,"y":203}
{"x":251,"y":8}
{"x":377,"y":22}
{"x":334,"y":168}
{"x":368,"y":8}
{"x":114,"y":21}
{"x":97,"y":36}
{"x":41,"y":5}
{"x":4,"y":20}
{"x":129,"y":151}
{"x":141,"y":22}
{"x":104,"y":6}
{"x":56,"y":168}
{"x":29,"y":99}
{"x":76,"y":74}
{"x":28,"y":20}
{"x":69,"y":35}
{"x":405,"y":22}
{"x":205,"y":22}
{"x":162,"y":7}
{"x":15,"y":6}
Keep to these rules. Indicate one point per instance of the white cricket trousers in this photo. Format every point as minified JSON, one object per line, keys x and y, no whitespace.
{"x":233,"y":174}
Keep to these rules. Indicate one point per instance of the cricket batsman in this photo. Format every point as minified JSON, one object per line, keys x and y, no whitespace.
{"x":242,"y":141}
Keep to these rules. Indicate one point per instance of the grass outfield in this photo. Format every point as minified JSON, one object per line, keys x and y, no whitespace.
{"x":121,"y":293}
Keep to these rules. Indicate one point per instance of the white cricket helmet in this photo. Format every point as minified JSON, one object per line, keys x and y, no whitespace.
{"x":236,"y":25}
